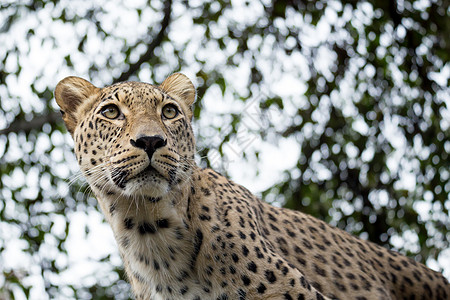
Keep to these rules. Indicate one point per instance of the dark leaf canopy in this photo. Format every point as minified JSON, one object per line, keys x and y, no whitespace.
{"x":339,"y":109}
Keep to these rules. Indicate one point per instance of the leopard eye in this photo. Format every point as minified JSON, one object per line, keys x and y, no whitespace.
{"x":110,"y":111}
{"x":170,"y":111}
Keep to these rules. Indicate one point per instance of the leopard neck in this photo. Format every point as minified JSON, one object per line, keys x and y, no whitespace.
{"x":158,"y":241}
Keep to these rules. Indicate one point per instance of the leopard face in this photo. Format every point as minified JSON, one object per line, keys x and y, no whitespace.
{"x":131,"y":138}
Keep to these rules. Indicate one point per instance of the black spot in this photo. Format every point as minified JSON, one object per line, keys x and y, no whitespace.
{"x":166,"y":264}
{"x":223,"y":297}
{"x":112,"y":208}
{"x":290,"y":233}
{"x":242,"y":294}
{"x":232,"y":270}
{"x":172,"y":176}
{"x":259,"y":254}
{"x":275,"y":228}
{"x":351,"y":276}
{"x":322,"y":247}
{"x":261,"y":288}
{"x":146,"y":228}
{"x":301,"y":261}
{"x":119,"y":177}
{"x":252,"y":267}
{"x":246,"y":280}
{"x":153,"y":199}
{"x":298,"y":250}
{"x":209,"y":270}
{"x":178,"y":234}
{"x":235,"y":257}
{"x":408,"y":280}
{"x":197,"y":245}
{"x":241,"y":219}
{"x":427,"y":288}
{"x":213,"y":175}
{"x":188,"y":213}
{"x":305,"y":283}
{"x":272,"y":218}
{"x":244,"y":250}
{"x":284,"y":251}
{"x":292,"y":282}
{"x":128,"y":222}
{"x":205,"y":191}
{"x":287,"y":296}
{"x":340,"y":286}
{"x":183,"y":276}
{"x":270,"y":276}
{"x":162,"y":223}
{"x":156,"y":265}
{"x":204,"y":217}
{"x":307,"y":244}
{"x":319,"y":296}
{"x":171,"y":250}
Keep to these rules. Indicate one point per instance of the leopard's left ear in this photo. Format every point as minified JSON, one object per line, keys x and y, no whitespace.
{"x":179,"y":86}
{"x":70,"y":93}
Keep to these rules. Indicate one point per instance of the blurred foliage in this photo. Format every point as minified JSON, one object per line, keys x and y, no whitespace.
{"x":362,"y":87}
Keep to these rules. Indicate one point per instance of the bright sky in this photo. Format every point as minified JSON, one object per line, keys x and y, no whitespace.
{"x":43,"y":62}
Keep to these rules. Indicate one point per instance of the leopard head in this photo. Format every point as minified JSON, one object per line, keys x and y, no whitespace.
{"x":131,"y":138}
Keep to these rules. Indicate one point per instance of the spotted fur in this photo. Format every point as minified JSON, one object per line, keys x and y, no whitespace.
{"x":189,"y":233}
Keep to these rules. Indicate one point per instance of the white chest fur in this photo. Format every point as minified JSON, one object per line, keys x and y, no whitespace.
{"x":160,"y":251}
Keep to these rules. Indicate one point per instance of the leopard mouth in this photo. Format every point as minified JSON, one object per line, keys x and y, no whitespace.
{"x":120,"y":177}
{"x":149,"y":168}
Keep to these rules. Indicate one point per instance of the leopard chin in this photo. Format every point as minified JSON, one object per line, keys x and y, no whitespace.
{"x":146,"y":179}
{"x":148,"y":183}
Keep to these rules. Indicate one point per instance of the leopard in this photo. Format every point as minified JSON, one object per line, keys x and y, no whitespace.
{"x":188,"y":232}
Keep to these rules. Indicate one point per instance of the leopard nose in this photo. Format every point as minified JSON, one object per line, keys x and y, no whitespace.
{"x":149,"y":143}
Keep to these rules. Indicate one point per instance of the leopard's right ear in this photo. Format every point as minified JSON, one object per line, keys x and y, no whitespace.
{"x":69,"y":94}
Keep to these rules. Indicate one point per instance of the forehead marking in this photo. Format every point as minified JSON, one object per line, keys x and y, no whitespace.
{"x":130,"y":92}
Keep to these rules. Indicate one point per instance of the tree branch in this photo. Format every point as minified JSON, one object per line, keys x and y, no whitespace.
{"x":36,"y":123}
{"x":151,"y":47}
{"x":54,"y":117}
